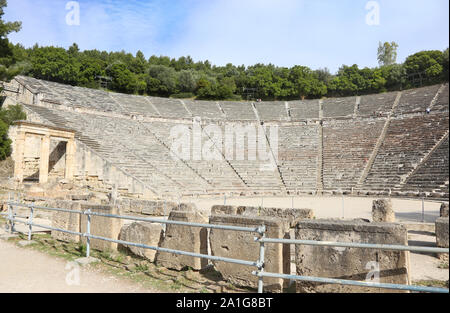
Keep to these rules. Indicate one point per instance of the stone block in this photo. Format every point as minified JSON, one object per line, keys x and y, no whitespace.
{"x":382,"y":211}
{"x":102,"y":226}
{"x":144,"y":233}
{"x":350,"y":263}
{"x":444,"y":210}
{"x":442,"y":232}
{"x":65,"y":220}
{"x":184,"y":238}
{"x":291,"y":216}
{"x":241,"y":245}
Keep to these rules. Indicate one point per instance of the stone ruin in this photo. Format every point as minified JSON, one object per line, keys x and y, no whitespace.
{"x":99,"y":140}
{"x":333,"y":262}
{"x":442,"y":230}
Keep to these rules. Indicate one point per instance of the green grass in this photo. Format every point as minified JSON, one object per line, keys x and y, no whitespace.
{"x":443,"y":265}
{"x":432,"y":283}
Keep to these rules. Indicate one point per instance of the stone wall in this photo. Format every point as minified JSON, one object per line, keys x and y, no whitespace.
{"x":350,"y":263}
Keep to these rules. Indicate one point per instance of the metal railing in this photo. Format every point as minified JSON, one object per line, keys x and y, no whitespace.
{"x":13,"y":218}
{"x":263,"y":240}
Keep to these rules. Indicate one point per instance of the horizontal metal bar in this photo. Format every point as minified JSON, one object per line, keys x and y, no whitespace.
{"x":47,"y":227}
{"x":196,"y":255}
{"x":150,"y":220}
{"x":45,"y":208}
{"x":353,"y":245}
{"x":353,"y":282}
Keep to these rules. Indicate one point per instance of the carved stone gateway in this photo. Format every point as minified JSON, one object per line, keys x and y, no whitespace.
{"x":34,"y":157}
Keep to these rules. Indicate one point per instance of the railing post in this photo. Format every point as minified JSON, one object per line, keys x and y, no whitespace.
{"x":30,"y":222}
{"x":423,"y":210}
{"x":262,"y":234}
{"x":88,"y":233}
{"x":11,"y":218}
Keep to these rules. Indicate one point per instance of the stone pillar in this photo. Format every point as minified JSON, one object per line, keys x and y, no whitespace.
{"x":70,"y":159}
{"x":45,"y":155}
{"x":19,"y":149}
{"x":382,"y":211}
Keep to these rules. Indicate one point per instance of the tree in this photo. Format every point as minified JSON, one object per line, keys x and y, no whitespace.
{"x":55,"y":64}
{"x":5,"y":142}
{"x":7,"y":118}
{"x":387,"y":53}
{"x":428,"y":64}
{"x":306,"y":83}
{"x":7,"y":67}
{"x":123,"y":80}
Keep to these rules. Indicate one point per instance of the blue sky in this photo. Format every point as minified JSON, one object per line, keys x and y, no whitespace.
{"x":315,"y":33}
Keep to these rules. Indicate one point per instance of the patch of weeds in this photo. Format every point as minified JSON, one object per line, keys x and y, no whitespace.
{"x":176,"y":285}
{"x":141,"y":268}
{"x":443,"y":265}
{"x":432,"y":283}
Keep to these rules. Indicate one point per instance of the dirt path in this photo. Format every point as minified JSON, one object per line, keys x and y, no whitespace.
{"x":25,"y":270}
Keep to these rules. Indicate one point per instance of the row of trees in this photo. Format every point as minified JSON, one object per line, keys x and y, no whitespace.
{"x":185,"y":78}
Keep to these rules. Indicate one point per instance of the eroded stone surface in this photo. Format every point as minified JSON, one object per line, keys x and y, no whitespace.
{"x":382,"y":211}
{"x":105,"y":227}
{"x":350,"y":263}
{"x":444,"y":210}
{"x":144,"y":233}
{"x":241,"y":245}
{"x":184,"y":238}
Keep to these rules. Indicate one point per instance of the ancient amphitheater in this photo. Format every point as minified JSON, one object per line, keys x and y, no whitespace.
{"x":382,"y":144}
{"x":116,"y":149}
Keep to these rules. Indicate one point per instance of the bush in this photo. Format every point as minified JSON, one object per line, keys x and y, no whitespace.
{"x":8,"y":117}
{"x":5,"y":142}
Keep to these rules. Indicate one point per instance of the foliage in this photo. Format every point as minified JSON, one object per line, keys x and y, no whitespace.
{"x":185,"y":78}
{"x":387,"y":53}
{"x":5,"y":142}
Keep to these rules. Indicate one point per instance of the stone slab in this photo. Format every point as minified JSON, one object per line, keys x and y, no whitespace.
{"x":102,"y":226}
{"x":184,"y":238}
{"x":350,"y":263}
{"x":241,"y":245}
{"x":144,"y":233}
